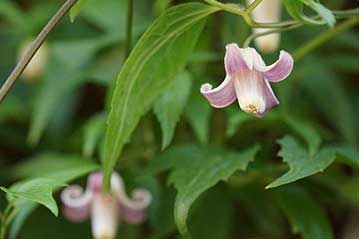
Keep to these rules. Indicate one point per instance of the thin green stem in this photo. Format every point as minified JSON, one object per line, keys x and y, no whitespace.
{"x":232,"y":8}
{"x":254,"y":36}
{"x":251,"y":7}
{"x":346,"y":13}
{"x":30,"y":52}
{"x":323,"y":37}
{"x":129,"y":27}
{"x":4,"y":219}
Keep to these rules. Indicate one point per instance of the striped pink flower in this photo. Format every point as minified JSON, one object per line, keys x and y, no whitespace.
{"x":105,"y":210}
{"x":248,"y":80}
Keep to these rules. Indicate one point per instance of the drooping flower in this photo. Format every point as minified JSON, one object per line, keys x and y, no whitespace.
{"x":247,"y":79}
{"x":268,"y":11}
{"x":105,"y":210}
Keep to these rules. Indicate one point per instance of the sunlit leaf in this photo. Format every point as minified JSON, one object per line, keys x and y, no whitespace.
{"x":169,"y":107}
{"x":159,"y":55}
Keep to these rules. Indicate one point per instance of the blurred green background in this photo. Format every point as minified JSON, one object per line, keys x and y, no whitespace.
{"x":53,"y":111}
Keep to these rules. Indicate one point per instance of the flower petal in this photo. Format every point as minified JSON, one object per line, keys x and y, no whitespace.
{"x":133,"y":210}
{"x":221,"y":96}
{"x":104,"y":216}
{"x":270,"y":99}
{"x":76,"y":203}
{"x":235,"y":59}
{"x":279,"y":70}
{"x":94,"y":182}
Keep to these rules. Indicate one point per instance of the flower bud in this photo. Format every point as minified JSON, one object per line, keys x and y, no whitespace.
{"x":268,"y":11}
{"x":36,"y":67}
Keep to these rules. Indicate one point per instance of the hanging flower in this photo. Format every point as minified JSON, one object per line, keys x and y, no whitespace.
{"x":248,"y":80}
{"x":105,"y":210}
{"x":267,"y":11}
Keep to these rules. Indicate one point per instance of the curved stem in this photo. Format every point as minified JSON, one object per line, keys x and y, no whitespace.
{"x":323,"y":37}
{"x":30,"y":52}
{"x":129,"y":28}
{"x":346,"y":13}
{"x":254,"y":36}
{"x":232,"y":8}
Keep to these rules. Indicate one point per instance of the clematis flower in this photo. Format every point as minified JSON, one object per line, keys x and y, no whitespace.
{"x":248,"y":80}
{"x":105,"y":210}
{"x":268,"y":11}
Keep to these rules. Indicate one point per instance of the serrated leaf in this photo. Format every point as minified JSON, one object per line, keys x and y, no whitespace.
{"x":48,"y":172}
{"x":38,"y":190}
{"x":93,"y":131}
{"x":304,"y":214}
{"x":201,"y":170}
{"x":301,"y":164}
{"x":170,"y":105}
{"x":75,"y":10}
{"x":160,"y":54}
{"x":196,"y":169}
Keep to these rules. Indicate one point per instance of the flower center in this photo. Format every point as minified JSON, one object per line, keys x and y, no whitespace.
{"x":249,"y":87}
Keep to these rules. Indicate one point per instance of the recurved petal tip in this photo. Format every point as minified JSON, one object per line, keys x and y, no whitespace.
{"x":221,"y":96}
{"x":280,"y":69}
{"x":134,"y":211}
{"x":76,"y":203}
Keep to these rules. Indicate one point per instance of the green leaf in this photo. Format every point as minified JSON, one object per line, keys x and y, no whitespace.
{"x":300,"y":162}
{"x":304,"y":214}
{"x":295,"y":9}
{"x":322,"y":11}
{"x":160,"y":54}
{"x":38,"y":190}
{"x":55,"y":166}
{"x":198,"y":113}
{"x":339,"y":111}
{"x":169,"y":107}
{"x":75,"y":10}
{"x":196,"y":169}
{"x":94,"y":129}
{"x":48,"y":172}
{"x":213,"y":209}
{"x":201,"y":170}
{"x":349,"y":155}
{"x":20,"y":218}
{"x":307,"y":132}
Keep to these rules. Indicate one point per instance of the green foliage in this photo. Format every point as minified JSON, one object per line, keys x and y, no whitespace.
{"x":302,"y":164}
{"x":295,"y":9}
{"x":304,"y":214}
{"x":38,"y":190}
{"x":47,"y":173}
{"x":93,"y":131}
{"x":153,"y":64}
{"x":170,"y":106}
{"x":196,"y":169}
{"x":75,"y":10}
